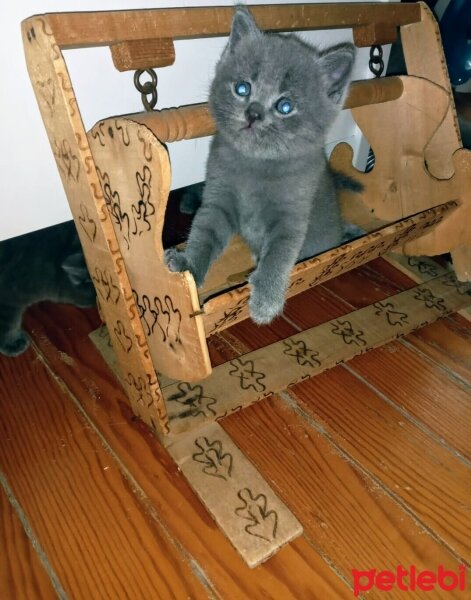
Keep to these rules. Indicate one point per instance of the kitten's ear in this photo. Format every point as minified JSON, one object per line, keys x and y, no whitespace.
{"x":243,"y":25}
{"x":337,"y":64}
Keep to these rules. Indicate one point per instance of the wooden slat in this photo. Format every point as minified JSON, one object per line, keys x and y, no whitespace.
{"x":240,"y":500}
{"x":300,"y":449}
{"x":74,"y":30}
{"x":418,"y":269}
{"x":143,"y":54}
{"x":90,"y":522}
{"x":374,"y":34}
{"x":230,"y":307}
{"x":188,"y":122}
{"x":256,"y":429}
{"x":262,"y":372}
{"x":348,"y":516}
{"x":22,"y":576}
{"x":424,"y":385}
{"x":173,"y":124}
{"x":64,"y":335}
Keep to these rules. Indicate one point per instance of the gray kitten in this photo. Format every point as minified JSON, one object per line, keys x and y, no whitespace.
{"x":43,"y":265}
{"x":273,"y":97}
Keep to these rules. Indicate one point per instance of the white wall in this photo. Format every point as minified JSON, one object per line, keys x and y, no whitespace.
{"x":31,"y":194}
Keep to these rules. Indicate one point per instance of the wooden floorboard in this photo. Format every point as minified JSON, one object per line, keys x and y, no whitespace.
{"x":446,"y":342}
{"x":22,"y":575}
{"x":372,"y":458}
{"x":74,"y":495}
{"x":89,"y":378}
{"x":400,"y":457}
{"x":425,"y":476}
{"x":346,"y":515}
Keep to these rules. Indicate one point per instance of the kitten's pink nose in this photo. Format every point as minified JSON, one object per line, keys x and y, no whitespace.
{"x":254,"y":112}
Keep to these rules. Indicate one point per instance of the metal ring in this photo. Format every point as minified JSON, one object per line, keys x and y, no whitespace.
{"x":140,"y":86}
{"x":376,"y":63}
{"x":149,"y":105}
{"x":147,"y":88}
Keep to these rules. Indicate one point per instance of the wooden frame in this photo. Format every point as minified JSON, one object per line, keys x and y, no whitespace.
{"x":117,"y":177}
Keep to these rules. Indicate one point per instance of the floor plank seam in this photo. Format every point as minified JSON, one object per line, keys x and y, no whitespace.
{"x":134,"y":485}
{"x":292,"y":323}
{"x":293,"y":405}
{"x":410,"y":417}
{"x":326,"y":558}
{"x":53,"y":578}
{"x":455,"y":377}
{"x":459,"y":328}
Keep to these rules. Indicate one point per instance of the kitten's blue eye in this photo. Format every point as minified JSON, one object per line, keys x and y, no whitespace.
{"x":284,"y":106}
{"x":242,"y":88}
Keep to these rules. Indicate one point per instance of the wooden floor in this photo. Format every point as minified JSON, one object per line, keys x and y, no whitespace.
{"x":373,"y":457}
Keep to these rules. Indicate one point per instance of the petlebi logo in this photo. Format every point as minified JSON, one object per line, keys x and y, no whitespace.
{"x":410,"y":579}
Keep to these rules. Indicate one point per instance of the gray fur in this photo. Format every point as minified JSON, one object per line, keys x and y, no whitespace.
{"x":269,"y":180}
{"x":43,"y":265}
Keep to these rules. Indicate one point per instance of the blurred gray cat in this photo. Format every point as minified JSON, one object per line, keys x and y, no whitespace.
{"x":43,"y":265}
{"x":273,"y":97}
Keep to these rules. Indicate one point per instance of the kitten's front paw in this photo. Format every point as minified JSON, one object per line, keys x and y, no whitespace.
{"x":14,"y":343}
{"x":264,"y":309}
{"x":176,"y":261}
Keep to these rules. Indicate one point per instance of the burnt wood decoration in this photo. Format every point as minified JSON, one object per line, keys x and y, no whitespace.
{"x":117,"y":179}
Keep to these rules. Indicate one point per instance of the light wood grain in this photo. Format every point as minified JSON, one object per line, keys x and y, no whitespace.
{"x":61,"y":115}
{"x":195,"y":120}
{"x":74,"y":30}
{"x":399,"y":184}
{"x":90,"y":522}
{"x":424,"y":57}
{"x":22,"y":576}
{"x":134,"y":172}
{"x":374,"y":34}
{"x":143,"y":54}
{"x":242,"y":503}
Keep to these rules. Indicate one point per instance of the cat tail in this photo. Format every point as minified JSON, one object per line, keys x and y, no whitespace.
{"x":345,"y":182}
